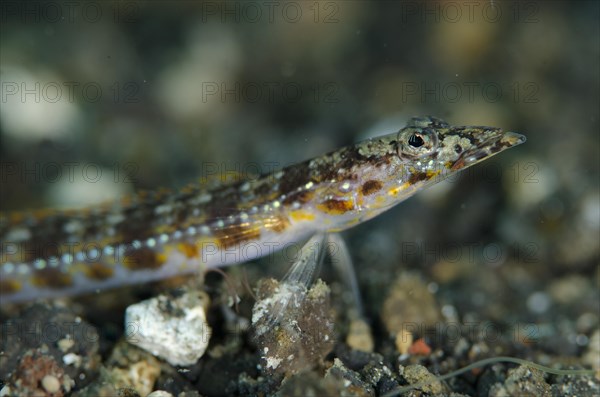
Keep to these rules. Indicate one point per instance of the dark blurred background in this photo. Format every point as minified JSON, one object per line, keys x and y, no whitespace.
{"x":104,"y":98}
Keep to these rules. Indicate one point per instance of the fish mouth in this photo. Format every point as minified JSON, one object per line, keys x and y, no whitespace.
{"x":495,"y":142}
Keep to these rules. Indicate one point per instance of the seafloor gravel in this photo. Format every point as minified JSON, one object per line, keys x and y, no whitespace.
{"x":51,"y":349}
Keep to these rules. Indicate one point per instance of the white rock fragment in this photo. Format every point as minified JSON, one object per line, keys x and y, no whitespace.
{"x":72,"y":359}
{"x":5,"y":391}
{"x":273,"y":362}
{"x":172,"y":328}
{"x":160,"y":393}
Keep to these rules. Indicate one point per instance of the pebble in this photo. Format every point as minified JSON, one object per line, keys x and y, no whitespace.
{"x":51,"y":384}
{"x":576,"y":385}
{"x":569,"y":289}
{"x":351,"y":380}
{"x":418,"y":374}
{"x":420,"y":348}
{"x":129,"y":367}
{"x":65,"y":344}
{"x":172,"y":328}
{"x":160,"y":393}
{"x":592,"y":354}
{"x":72,"y":359}
{"x":522,"y":381}
{"x":140,"y":376}
{"x":404,"y":340}
{"x":359,"y":336}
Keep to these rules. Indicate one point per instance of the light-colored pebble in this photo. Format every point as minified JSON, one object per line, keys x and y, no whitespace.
{"x":160,"y":393}
{"x":174,"y":329}
{"x":72,"y":359}
{"x":404,"y":339}
{"x":359,"y":337}
{"x":592,"y":355}
{"x":141,"y":376}
{"x":65,"y":344}
{"x":51,"y":384}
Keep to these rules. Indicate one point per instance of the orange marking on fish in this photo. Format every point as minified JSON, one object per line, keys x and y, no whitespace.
{"x":302,"y":215}
{"x":189,"y":250}
{"x":278,"y":223}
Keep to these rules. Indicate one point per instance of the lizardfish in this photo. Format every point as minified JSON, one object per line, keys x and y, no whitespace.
{"x":152,"y":236}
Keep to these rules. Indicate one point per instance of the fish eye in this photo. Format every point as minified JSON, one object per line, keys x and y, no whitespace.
{"x":417,"y":142}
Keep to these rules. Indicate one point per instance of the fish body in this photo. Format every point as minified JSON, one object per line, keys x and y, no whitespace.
{"x":152,"y":236}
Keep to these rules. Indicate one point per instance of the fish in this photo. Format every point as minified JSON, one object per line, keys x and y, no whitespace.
{"x":156,"y":235}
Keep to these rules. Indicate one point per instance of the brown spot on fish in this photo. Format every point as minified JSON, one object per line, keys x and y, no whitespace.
{"x":371,"y":186}
{"x":336,"y":207}
{"x":8,"y":287}
{"x":98,"y":271}
{"x":295,"y":176}
{"x":141,"y":259}
{"x":499,"y":146}
{"x":417,"y":177}
{"x":301,"y":197}
{"x":51,"y":278}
